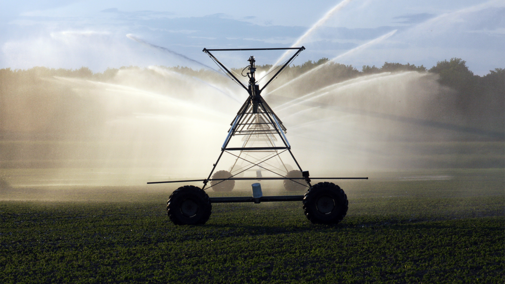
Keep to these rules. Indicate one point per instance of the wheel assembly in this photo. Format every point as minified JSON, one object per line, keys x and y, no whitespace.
{"x":222,"y":185}
{"x":294,"y":184}
{"x":189,"y":205}
{"x":325,"y":203}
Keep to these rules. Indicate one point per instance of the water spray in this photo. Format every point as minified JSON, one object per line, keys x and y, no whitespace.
{"x":319,"y":23}
{"x":167,"y":72}
{"x":354,"y":50}
{"x":326,"y":90}
{"x":134,"y":38}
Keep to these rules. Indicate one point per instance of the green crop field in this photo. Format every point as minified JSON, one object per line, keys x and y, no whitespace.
{"x":444,"y":226}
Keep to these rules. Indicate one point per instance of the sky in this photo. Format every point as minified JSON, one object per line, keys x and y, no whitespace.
{"x":110,"y":34}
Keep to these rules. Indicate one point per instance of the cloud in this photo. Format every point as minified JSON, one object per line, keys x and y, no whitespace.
{"x":414,"y":18}
{"x":86,"y":33}
{"x":68,"y":49}
{"x":110,"y":10}
{"x":459,"y":29}
{"x":143,"y":14}
{"x":489,"y":15}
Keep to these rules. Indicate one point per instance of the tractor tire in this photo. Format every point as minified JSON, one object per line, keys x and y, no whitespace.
{"x":325,"y":203}
{"x":294,"y":185}
{"x":222,"y":185}
{"x":189,"y":205}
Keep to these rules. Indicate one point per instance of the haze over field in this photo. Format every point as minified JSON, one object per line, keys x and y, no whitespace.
{"x":136,"y":124}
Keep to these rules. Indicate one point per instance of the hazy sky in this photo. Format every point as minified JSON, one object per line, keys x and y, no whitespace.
{"x":72,"y":34}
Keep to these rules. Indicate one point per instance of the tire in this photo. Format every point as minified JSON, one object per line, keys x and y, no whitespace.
{"x":294,"y":185}
{"x":222,"y":185}
{"x":325,"y":203}
{"x":189,"y":205}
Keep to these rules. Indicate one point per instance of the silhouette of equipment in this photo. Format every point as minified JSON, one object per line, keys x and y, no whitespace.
{"x":257,"y":142}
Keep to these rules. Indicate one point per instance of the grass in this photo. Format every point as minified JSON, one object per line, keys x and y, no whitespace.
{"x":396,"y":230}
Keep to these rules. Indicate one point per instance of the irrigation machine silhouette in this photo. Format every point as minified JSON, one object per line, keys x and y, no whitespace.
{"x":263,"y":150}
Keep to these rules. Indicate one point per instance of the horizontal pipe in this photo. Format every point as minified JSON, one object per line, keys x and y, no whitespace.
{"x":251,"y":199}
{"x":245,"y":49}
{"x":255,"y":148}
{"x":282,"y":178}
{"x":253,"y":178}
{"x":174,"y":181}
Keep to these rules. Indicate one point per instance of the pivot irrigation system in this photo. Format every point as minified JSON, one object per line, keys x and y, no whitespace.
{"x":256,"y":143}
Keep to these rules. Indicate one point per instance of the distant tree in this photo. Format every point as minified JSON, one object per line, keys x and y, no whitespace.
{"x":107,"y":75}
{"x":455,"y":74}
{"x":492,"y":87}
{"x":310,"y":64}
{"x":496,"y":78}
{"x":398,"y":67}
{"x":83,"y":72}
{"x":369,"y":70}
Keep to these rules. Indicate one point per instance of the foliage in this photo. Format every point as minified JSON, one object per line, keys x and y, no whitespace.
{"x":455,"y":74}
{"x":392,"y":67}
{"x":494,"y":82}
{"x":479,"y":99}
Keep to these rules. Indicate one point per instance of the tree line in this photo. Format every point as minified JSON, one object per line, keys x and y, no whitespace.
{"x":477,"y":96}
{"x":453,"y":73}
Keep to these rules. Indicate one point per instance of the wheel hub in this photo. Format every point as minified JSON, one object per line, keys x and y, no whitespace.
{"x":189,"y":208}
{"x":325,"y":204}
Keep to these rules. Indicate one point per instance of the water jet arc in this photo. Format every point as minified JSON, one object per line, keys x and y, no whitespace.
{"x":134,"y":38}
{"x":358,"y":48}
{"x":319,"y":23}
